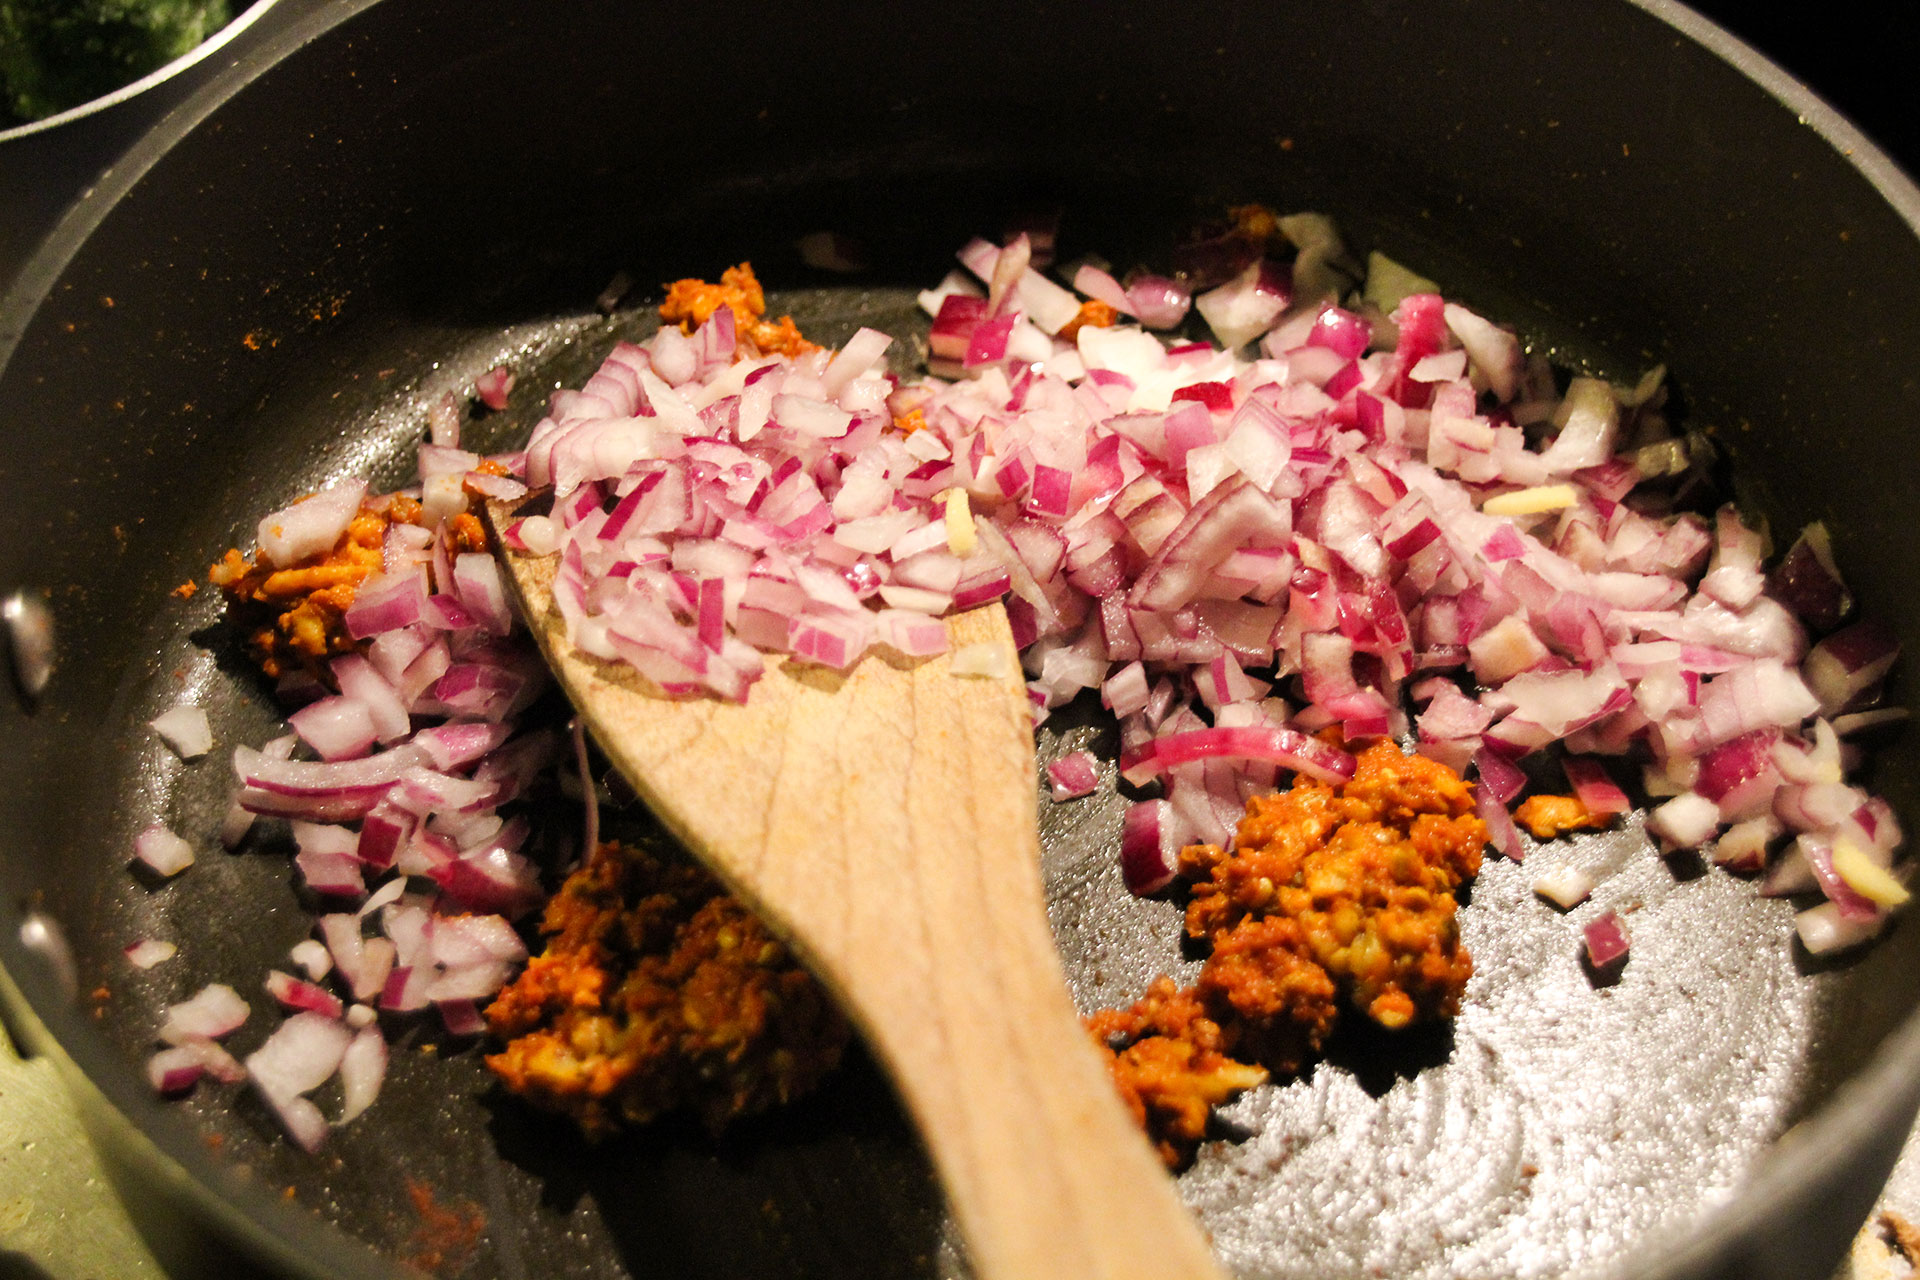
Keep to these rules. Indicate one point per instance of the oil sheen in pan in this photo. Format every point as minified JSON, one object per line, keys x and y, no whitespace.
{"x":1556,"y":1126}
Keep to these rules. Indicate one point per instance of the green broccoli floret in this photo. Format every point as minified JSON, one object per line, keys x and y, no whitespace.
{"x":56,"y":54}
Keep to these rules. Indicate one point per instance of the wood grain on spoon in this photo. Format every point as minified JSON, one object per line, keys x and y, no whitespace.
{"x":883,"y":820}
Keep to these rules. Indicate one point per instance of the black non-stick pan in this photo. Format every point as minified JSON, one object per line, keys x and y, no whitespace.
{"x":270,"y":288}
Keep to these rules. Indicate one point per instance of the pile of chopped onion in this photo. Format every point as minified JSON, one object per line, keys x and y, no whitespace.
{"x":1380,"y":516}
{"x":393,"y":788}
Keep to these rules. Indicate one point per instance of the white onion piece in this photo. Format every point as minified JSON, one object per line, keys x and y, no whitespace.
{"x":310,"y":526}
{"x":862,"y":351}
{"x":235,"y":825}
{"x":1246,"y":306}
{"x":148,"y":952}
{"x":1823,"y":930}
{"x":213,"y":1059}
{"x":359,"y":681}
{"x":312,"y":956}
{"x":1495,"y":353}
{"x":162,"y":851}
{"x":1685,"y":822}
{"x":214,"y":1011}
{"x":299,"y":1057}
{"x":186,"y":730}
{"x":471,"y":939}
{"x":1565,"y":886}
{"x":363,"y":1068}
{"x":467,"y":982}
{"x":337,"y":728}
{"x":1743,"y":846}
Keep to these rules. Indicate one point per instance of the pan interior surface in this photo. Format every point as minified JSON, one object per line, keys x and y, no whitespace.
{"x":262,"y":312}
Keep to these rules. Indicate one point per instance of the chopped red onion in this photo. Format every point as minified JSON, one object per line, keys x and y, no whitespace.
{"x":461,"y":1017}
{"x":475,"y":939}
{"x":1597,"y":792}
{"x":353,"y":780}
{"x":1807,"y":582}
{"x":389,"y":602}
{"x":1203,"y":535}
{"x":492,"y":388}
{"x":213,"y":1059}
{"x":1281,"y":746}
{"x":405,"y":989}
{"x":1815,"y":806}
{"x":1149,"y":847}
{"x":1499,"y":776}
{"x":323,"y":838}
{"x":476,"y":577}
{"x":1606,"y":941}
{"x":1074,"y":775}
{"x":175,"y":1070}
{"x":1849,"y":664}
{"x":1245,"y":307}
{"x":295,"y":994}
{"x":359,"y":680}
{"x":1159,"y":303}
{"x":468,"y":982}
{"x":1501,"y":831}
{"x":1852,"y":905}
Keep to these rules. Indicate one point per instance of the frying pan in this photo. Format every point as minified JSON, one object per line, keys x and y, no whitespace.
{"x":388,"y":198}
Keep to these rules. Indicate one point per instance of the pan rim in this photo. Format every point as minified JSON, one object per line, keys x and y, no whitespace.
{"x":1882,"y":1096}
{"x":159,"y":75}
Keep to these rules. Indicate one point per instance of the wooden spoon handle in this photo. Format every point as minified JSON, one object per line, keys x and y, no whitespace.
{"x":947,"y":963}
{"x":883,"y":820}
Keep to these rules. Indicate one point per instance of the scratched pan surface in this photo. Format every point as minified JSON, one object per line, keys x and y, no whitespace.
{"x":273,"y":287}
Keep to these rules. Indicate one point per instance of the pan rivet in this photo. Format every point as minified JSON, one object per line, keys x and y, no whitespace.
{"x":40,"y":934}
{"x":29,"y":625}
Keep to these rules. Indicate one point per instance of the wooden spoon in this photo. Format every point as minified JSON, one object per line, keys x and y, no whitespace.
{"x":883,"y":820}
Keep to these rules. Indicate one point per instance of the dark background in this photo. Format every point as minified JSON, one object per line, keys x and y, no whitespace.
{"x":1860,"y":55}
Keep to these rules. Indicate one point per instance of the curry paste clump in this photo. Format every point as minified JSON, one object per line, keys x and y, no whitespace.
{"x":690,"y":303}
{"x":1332,"y":897}
{"x":294,"y":618}
{"x":658,"y":992}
